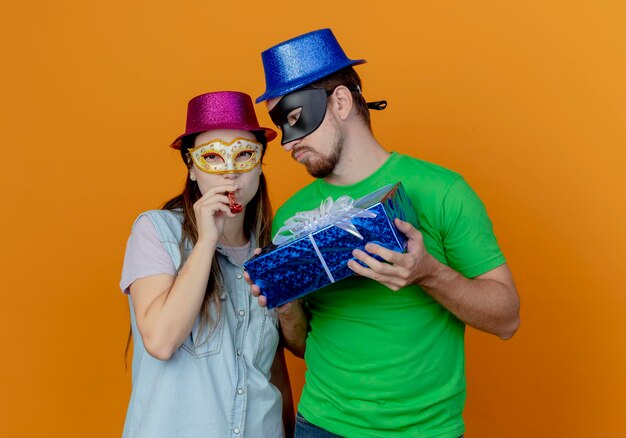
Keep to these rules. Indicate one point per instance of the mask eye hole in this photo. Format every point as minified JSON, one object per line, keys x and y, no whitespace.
{"x":294,"y":116}
{"x":212,"y":158}
{"x":244,"y":156}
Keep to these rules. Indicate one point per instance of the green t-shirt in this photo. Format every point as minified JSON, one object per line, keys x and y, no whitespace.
{"x":383,"y":363}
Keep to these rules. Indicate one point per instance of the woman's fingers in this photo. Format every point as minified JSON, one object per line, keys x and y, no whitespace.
{"x":212,"y":209}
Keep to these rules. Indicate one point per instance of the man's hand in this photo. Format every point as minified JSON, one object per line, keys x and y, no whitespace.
{"x":402,"y":269}
{"x":488,"y":302}
{"x":294,"y":323}
{"x":254,"y":289}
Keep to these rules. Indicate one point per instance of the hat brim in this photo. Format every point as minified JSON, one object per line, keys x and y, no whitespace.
{"x":269,"y":133}
{"x":306,"y":80}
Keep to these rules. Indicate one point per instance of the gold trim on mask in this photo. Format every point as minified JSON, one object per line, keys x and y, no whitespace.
{"x":218,"y":157}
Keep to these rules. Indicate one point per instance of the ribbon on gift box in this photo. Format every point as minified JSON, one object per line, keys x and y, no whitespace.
{"x":338,"y":213}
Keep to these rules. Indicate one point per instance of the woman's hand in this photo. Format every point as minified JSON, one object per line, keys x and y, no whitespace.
{"x":211,"y":211}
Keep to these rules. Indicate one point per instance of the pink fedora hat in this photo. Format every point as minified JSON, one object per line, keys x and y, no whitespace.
{"x":222,"y":110}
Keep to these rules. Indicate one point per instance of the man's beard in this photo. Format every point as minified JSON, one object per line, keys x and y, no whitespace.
{"x":320,"y":166}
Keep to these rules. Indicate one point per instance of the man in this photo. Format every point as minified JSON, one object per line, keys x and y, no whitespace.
{"x":384,"y":348}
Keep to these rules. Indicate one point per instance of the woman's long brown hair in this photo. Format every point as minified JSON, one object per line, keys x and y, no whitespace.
{"x":257,"y":220}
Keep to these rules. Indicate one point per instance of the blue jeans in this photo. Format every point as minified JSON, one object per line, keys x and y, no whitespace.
{"x":304,"y":429}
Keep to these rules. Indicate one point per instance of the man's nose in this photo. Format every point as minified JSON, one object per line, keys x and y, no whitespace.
{"x":290,"y":145}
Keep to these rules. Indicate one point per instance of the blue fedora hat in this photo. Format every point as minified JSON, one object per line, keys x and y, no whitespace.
{"x":300,"y":61}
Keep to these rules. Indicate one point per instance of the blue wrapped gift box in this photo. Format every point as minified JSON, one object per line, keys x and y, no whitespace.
{"x":314,"y":247}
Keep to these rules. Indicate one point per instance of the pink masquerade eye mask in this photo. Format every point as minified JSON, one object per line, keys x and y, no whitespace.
{"x":218,"y":157}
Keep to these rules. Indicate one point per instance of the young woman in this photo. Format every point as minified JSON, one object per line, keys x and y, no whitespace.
{"x":205,"y":360}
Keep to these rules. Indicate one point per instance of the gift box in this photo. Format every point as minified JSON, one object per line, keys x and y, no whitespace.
{"x":313,"y":248}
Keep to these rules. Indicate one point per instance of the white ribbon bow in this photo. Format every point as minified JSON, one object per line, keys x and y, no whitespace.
{"x":339,"y":213}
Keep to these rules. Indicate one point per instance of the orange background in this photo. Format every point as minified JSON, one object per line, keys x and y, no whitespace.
{"x":526,"y":99}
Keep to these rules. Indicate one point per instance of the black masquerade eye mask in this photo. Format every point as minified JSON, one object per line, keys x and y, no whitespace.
{"x":300,"y":113}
